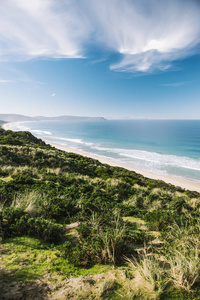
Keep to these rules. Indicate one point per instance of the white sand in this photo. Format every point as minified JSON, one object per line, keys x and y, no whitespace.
{"x":185,"y":184}
{"x":5,"y":126}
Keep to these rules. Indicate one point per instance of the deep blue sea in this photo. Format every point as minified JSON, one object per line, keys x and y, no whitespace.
{"x":168,"y":147}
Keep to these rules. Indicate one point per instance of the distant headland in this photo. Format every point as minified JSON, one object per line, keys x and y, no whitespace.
{"x":21,"y":118}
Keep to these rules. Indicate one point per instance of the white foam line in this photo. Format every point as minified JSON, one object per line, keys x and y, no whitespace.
{"x":41,"y":132}
{"x":156,"y":158}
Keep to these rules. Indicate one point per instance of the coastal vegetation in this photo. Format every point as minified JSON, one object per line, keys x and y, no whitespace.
{"x":74,"y":228}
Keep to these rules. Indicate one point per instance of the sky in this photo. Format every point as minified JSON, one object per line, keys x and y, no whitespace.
{"x":116,"y":59}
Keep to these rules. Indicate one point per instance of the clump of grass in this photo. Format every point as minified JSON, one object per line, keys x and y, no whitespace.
{"x":178,"y":265}
{"x":152,"y":271}
{"x":183,"y":255}
{"x":27,"y":201}
{"x":113,"y":240}
{"x":184,"y":270}
{"x":194,"y":203}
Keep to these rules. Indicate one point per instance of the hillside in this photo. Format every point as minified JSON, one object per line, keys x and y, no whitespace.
{"x":21,"y":118}
{"x":73,"y":228}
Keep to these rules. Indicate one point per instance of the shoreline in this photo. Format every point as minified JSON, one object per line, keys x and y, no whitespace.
{"x":183,"y":183}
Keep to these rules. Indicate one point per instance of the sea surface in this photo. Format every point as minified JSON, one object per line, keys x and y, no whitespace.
{"x":166,"y":147}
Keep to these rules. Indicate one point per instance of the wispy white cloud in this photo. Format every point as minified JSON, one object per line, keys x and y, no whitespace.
{"x":46,"y":28}
{"x":148,"y":34}
{"x":97,"y":61}
{"x":53,"y":95}
{"x":6,"y":81}
{"x":175,"y":84}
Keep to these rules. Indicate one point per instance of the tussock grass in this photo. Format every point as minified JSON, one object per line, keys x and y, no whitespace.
{"x":56,"y":171}
{"x":157,"y":204}
{"x":8,"y":168}
{"x":113,"y":181}
{"x":150,"y":268}
{"x":113,"y":238}
{"x":27,"y":201}
{"x":183,"y":255}
{"x":184,"y":270}
{"x":177,"y":264}
{"x":194,"y":203}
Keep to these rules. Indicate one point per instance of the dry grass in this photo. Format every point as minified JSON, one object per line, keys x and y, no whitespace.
{"x":194,"y":203}
{"x":184,"y":270}
{"x":183,"y":256}
{"x":27,"y":201}
{"x":150,"y":275}
{"x":178,"y":264}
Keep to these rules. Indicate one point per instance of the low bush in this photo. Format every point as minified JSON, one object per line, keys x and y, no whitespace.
{"x":16,"y":222}
{"x":159,"y":220}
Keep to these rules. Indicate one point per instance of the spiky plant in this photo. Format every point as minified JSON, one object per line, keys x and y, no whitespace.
{"x":152,"y":270}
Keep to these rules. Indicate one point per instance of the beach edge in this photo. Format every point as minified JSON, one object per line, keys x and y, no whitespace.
{"x":183,"y":183}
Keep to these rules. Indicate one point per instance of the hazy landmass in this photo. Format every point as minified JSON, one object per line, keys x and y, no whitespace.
{"x":74,"y":228}
{"x":21,"y":118}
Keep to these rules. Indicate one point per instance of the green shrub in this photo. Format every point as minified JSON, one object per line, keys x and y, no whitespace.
{"x":16,"y":222}
{"x":102,"y":240}
{"x":159,"y":220}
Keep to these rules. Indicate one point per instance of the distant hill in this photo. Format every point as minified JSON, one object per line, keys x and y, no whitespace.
{"x":21,"y":118}
{"x":14,"y":117}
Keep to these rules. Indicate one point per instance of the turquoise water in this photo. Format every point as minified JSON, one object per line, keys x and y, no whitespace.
{"x":168,"y":147}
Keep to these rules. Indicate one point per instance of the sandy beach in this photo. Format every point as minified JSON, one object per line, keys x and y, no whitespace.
{"x":186,"y":184}
{"x":189,"y":185}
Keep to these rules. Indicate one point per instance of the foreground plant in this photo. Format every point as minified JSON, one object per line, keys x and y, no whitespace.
{"x":184,"y":270}
{"x":113,"y":240}
{"x":183,"y":255}
{"x":152,"y":270}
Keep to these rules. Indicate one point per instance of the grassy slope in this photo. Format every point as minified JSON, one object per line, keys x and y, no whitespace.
{"x":41,"y":183}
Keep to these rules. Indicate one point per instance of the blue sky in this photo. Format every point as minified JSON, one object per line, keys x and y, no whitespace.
{"x":117,"y":59}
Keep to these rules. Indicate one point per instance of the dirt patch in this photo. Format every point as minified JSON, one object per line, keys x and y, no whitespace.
{"x":85,"y":286}
{"x":24,"y":291}
{"x":52,"y":288}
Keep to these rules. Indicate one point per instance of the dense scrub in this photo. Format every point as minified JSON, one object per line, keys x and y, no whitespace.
{"x":8,"y":137}
{"x":43,"y":190}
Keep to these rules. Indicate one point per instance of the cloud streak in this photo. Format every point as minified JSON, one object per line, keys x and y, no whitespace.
{"x":150,"y":34}
{"x":35,"y":28}
{"x":6,"y":81}
{"x":175,"y":84}
{"x":147,"y":34}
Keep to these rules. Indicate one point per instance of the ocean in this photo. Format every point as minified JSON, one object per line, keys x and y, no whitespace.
{"x":165,"y":147}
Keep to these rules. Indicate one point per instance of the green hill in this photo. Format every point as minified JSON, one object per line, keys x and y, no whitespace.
{"x":74,"y":228}
{"x":8,"y":137}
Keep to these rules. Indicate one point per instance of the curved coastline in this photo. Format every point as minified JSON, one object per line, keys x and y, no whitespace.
{"x":185,"y":184}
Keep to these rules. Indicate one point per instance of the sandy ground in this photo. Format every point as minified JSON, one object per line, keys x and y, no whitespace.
{"x":190,"y":185}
